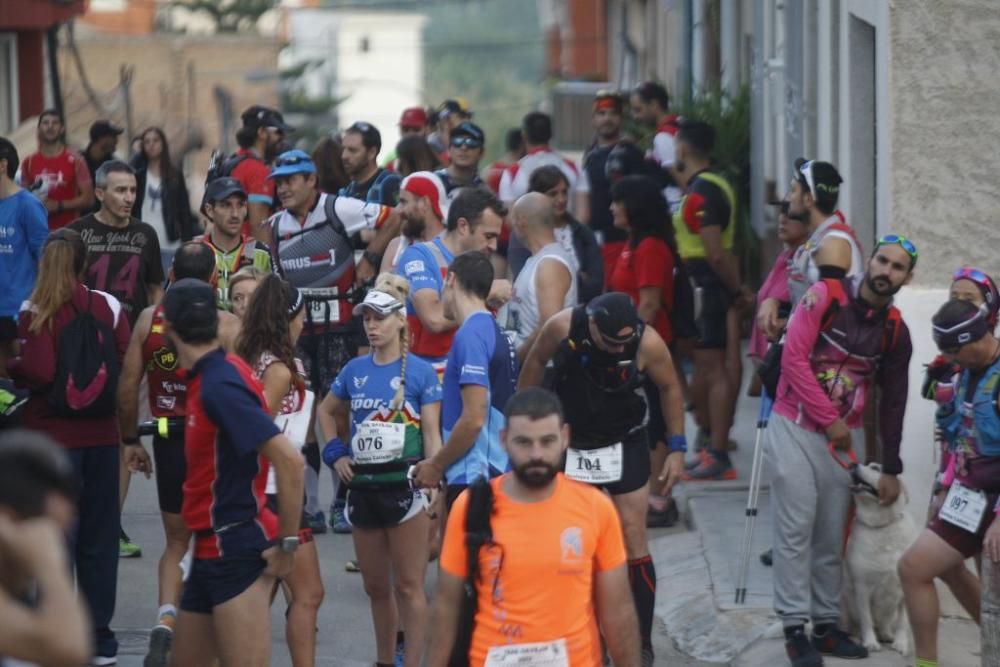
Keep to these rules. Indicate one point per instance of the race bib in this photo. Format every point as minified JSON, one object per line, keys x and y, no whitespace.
{"x":964,"y":508}
{"x":295,"y":425}
{"x":542,"y":654}
{"x":322,"y":308}
{"x":378,"y":442}
{"x":595,"y":466}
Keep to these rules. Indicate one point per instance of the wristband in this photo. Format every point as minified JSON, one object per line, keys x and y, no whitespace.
{"x":334,"y":451}
{"x":130,"y":440}
{"x":677,"y":443}
{"x":372,"y":258}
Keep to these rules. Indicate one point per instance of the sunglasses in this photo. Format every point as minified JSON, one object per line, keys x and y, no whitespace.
{"x":360,"y":126}
{"x":806,"y":176}
{"x":903,"y":242}
{"x":466,"y":142}
{"x":291,"y":161}
{"x":975,"y":275}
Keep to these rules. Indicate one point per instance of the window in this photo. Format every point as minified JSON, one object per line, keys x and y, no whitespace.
{"x":9,"y":111}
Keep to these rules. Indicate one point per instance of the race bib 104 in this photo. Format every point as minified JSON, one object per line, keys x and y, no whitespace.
{"x":595,"y":466}
{"x":378,"y":442}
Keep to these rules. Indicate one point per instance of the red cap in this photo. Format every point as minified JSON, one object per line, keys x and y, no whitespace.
{"x":413,"y":117}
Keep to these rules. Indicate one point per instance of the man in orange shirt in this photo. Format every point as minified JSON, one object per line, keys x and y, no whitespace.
{"x":545,"y":528}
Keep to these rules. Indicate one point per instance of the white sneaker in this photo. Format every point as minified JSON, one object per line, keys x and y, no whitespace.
{"x":100,"y":660}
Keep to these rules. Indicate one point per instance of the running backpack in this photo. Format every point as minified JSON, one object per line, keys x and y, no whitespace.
{"x":770,"y":367}
{"x":478,"y":533}
{"x":219,"y":165}
{"x":87,"y":368}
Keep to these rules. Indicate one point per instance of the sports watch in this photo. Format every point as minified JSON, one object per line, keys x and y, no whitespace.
{"x":289,"y":544}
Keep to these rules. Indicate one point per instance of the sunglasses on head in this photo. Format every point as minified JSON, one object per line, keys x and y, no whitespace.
{"x":291,"y":161}
{"x":361,"y":126}
{"x":903,"y":242}
{"x":466,"y":142}
{"x":975,"y":275}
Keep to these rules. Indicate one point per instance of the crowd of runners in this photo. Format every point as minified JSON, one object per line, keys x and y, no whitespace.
{"x":493,"y":361}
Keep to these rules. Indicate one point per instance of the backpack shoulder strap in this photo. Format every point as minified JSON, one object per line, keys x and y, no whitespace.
{"x":435,"y":251}
{"x":838,"y":297}
{"x":330,"y":209}
{"x":891,"y":328}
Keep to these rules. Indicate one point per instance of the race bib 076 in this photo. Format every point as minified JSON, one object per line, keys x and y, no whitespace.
{"x":378,"y":442}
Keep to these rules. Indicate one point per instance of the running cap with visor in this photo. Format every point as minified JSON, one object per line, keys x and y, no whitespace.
{"x":190,"y":304}
{"x":222,"y":188}
{"x":415,"y":117}
{"x":958,"y":323}
{"x":293,"y":162}
{"x":380,"y":302}
{"x":260,"y":116}
{"x":613,"y":312}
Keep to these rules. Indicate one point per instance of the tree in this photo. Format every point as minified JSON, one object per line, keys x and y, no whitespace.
{"x":230,"y":16}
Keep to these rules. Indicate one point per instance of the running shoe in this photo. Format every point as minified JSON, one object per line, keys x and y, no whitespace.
{"x":800,"y":650}
{"x":647,"y":657}
{"x":160,"y":640}
{"x":767,"y":558}
{"x":831,"y":640}
{"x":337,"y":519}
{"x":128,"y":549}
{"x":664,"y":518}
{"x":103,"y":660}
{"x":399,"y":659}
{"x":352,"y":566}
{"x":712,"y":469}
{"x":317,"y":522}
{"x":703,"y":458}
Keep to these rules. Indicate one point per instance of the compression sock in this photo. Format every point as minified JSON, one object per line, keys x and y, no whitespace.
{"x":924,"y":662}
{"x":642,"y":579}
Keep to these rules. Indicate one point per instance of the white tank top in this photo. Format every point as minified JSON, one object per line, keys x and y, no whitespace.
{"x":523,"y":313}
{"x":803,"y":270}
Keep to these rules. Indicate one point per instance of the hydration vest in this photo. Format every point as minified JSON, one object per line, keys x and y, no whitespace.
{"x":975,"y":425}
{"x":167,"y":391}
{"x":598,"y":389}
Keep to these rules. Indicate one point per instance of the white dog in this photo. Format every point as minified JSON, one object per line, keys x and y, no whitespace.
{"x":872,"y":594}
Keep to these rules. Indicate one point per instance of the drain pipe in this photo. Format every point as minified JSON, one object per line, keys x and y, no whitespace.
{"x":52,"y":45}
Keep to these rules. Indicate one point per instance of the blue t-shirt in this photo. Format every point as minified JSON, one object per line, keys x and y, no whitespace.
{"x":480,"y":354}
{"x":370,"y":389}
{"x":419,"y":265}
{"x":24,"y":226}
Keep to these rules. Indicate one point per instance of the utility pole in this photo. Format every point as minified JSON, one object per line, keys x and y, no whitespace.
{"x":989,"y":622}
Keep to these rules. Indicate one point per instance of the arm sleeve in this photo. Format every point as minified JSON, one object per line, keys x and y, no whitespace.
{"x":663,"y":149}
{"x":471,"y":348}
{"x":895,"y":381}
{"x":610,"y":551}
{"x":705,"y":205}
{"x":796,"y":370}
{"x":454,"y":558}
{"x":357,"y":215}
{"x":339,"y":386}
{"x":36,"y":226}
{"x":238,"y":413}
{"x":416,"y":266}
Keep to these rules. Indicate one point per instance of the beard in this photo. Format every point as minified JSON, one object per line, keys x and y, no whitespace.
{"x":882,"y":286}
{"x":535,"y":474}
{"x":413,"y":228}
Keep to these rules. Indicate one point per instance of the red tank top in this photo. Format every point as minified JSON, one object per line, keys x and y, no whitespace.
{"x":167,"y":391}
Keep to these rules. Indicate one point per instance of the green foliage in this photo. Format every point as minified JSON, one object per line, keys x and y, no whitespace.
{"x":230,"y":16}
{"x":489,"y":52}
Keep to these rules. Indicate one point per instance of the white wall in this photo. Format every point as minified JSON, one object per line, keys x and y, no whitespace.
{"x":378,"y":83}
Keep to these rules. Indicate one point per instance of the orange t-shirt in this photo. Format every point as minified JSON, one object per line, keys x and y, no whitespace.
{"x":551,"y":551}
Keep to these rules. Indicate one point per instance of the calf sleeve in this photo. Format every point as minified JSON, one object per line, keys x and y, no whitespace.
{"x":642,"y":579}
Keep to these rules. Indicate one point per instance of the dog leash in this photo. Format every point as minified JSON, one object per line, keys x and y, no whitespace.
{"x":845,"y":463}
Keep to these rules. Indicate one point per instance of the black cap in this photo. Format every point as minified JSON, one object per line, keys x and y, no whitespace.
{"x":625,"y":159}
{"x":189,"y":305}
{"x":613,"y":312}
{"x":826,"y":180}
{"x":258,"y":116}
{"x":448,"y":107}
{"x":469,"y":129}
{"x":221,"y":188}
{"x":104,"y":128}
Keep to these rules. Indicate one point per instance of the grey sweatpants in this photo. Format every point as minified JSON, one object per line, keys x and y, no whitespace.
{"x":810,"y":497}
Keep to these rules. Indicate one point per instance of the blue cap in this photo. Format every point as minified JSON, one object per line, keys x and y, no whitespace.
{"x":293,"y":162}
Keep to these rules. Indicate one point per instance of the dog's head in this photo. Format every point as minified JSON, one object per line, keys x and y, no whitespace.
{"x":864,"y":486}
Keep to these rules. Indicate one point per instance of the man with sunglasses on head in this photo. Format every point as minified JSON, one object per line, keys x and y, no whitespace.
{"x":601,"y":354}
{"x":310,"y":239}
{"x":361,"y":144}
{"x":833,"y":249}
{"x":465,"y":149}
{"x":844,"y":340}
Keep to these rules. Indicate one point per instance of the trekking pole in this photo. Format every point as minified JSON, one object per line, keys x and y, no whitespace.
{"x":751,"y":512}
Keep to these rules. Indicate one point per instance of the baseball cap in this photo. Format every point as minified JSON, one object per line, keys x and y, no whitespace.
{"x":190,"y":304}
{"x":104,"y":128}
{"x":613,"y":312}
{"x":469,"y":129}
{"x":625,"y":159}
{"x":222,"y":188}
{"x":428,"y":184}
{"x":413,"y":117}
{"x":821,"y":179}
{"x":260,"y":116}
{"x":382,"y":303}
{"x":295,"y":161}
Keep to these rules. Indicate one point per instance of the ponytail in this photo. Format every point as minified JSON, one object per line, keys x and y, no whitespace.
{"x":398,"y":287}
